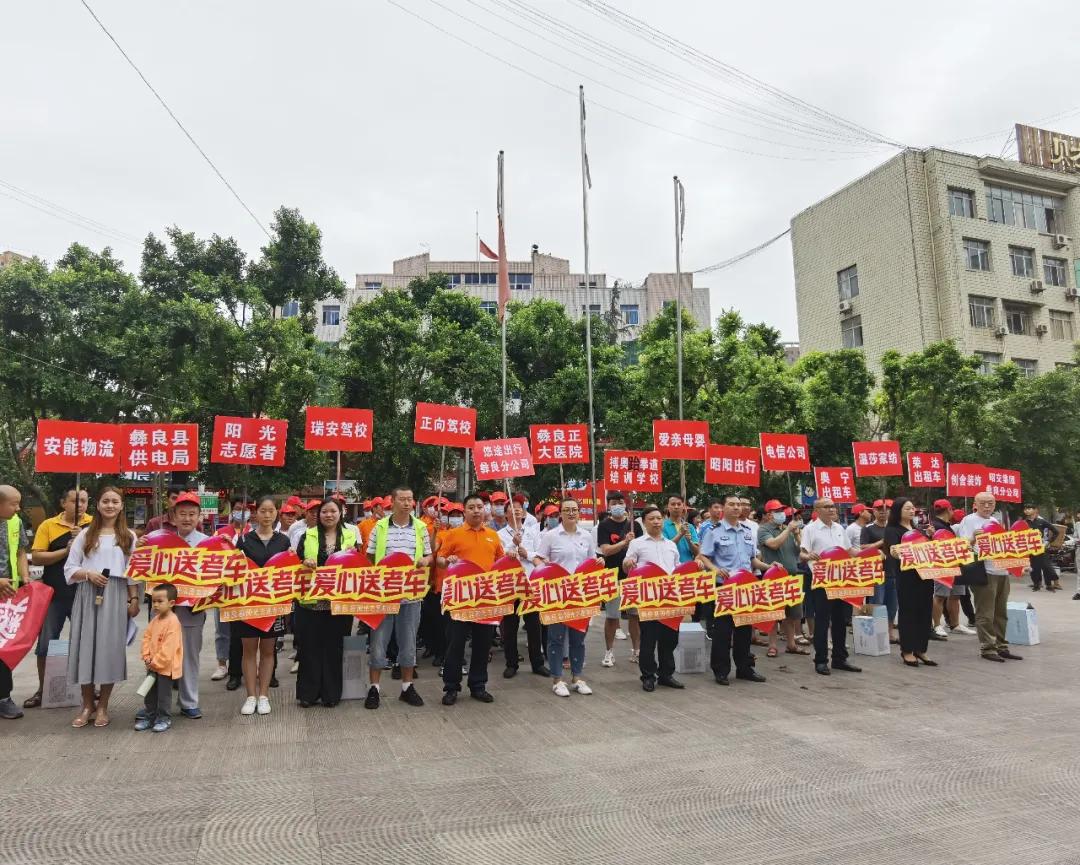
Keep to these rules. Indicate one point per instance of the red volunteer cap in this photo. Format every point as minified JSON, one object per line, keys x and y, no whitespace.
{"x":858,"y":509}
{"x":455,"y":507}
{"x":789,"y":512}
{"x":288,"y":509}
{"x":942,"y":504}
{"x":294,"y":501}
{"x":958,"y":515}
{"x":312,"y":503}
{"x":550,"y":510}
{"x":520,"y":498}
{"x":498,"y":497}
{"x":774,"y":505}
{"x":188,"y":499}
{"x":428,"y":502}
{"x":879,"y":503}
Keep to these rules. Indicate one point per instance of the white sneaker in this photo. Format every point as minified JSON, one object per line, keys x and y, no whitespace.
{"x":295,"y":666}
{"x":220,"y":673}
{"x":963,"y":629}
{"x":560,"y":689}
{"x":264,"y":706}
{"x":942,"y":631}
{"x":634,"y":656}
{"x":249,"y":706}
{"x":620,"y":634}
{"x":609,"y":660}
{"x":581,"y":687}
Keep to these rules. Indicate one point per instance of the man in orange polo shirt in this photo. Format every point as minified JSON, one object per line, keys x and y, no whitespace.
{"x":472,"y":542}
{"x":378,"y":511}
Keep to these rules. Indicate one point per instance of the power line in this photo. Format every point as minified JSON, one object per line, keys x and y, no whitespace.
{"x":58,"y":211}
{"x":735,"y":259}
{"x":176,"y":119}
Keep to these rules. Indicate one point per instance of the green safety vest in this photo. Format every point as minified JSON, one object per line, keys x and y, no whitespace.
{"x":311,"y":541}
{"x":382,"y":530}
{"x":14,"y":528}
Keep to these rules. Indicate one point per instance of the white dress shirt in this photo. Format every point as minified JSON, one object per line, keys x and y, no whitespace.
{"x":660,"y":551}
{"x":818,"y":537}
{"x":972,"y":523}
{"x":569,"y":550}
{"x":530,"y":540}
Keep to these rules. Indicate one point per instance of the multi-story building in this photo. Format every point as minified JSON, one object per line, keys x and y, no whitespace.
{"x":939,"y":245}
{"x":542,"y":276}
{"x":8,"y":257}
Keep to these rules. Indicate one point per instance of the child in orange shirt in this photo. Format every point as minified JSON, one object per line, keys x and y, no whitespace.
{"x":163,"y":654}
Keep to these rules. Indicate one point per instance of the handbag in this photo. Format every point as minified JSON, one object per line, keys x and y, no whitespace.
{"x":972,"y":575}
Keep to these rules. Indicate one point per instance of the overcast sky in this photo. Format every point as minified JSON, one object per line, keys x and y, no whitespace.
{"x":385,"y":130}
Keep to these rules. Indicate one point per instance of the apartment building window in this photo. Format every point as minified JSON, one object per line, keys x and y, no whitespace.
{"x":453,"y":278}
{"x":981,"y":311}
{"x":851,"y":332}
{"x":1023,"y":261}
{"x":480,"y":278}
{"x":290,"y":310}
{"x":489,"y":306}
{"x":1028,"y":368}
{"x":372,"y":286}
{"x":1018,"y":319}
{"x":1061,"y":325}
{"x":1063,"y":365}
{"x":1055,"y":271}
{"x":592,"y":284}
{"x":521,"y":280}
{"x":594,"y":309}
{"x":331,"y":314}
{"x":977,"y":254}
{"x":1044,"y":213}
{"x":847,"y":281}
{"x":630,"y":313}
{"x":987,"y":361}
{"x":961,"y":202}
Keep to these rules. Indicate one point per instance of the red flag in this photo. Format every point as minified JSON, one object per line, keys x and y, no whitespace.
{"x":486,"y":250}
{"x":504,"y":265}
{"x":21,"y":617}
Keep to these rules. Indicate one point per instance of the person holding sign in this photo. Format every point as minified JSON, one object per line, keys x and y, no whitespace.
{"x":658,"y":641}
{"x":778,"y":544}
{"x":186,"y":513}
{"x":730,"y":547}
{"x":104,"y":601}
{"x":13,"y":570}
{"x":915,"y":596}
{"x":613,"y":536}
{"x":472,"y":542}
{"x":829,"y":615}
{"x":400,"y":532}
{"x":522,"y":540}
{"x":568,"y":546}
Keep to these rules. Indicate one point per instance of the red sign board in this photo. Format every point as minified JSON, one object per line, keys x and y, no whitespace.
{"x":584,"y":498}
{"x":1005,"y":484}
{"x":965,"y":479}
{"x":734,"y":466}
{"x":249,"y":441}
{"x":502,"y":458}
{"x":559,"y":443}
{"x":450,"y":425}
{"x":877,"y":459}
{"x":784,"y":452}
{"x":925,"y":470}
{"x":837,"y":483}
{"x":338,"y":429}
{"x":75,"y":446}
{"x":637,"y":471}
{"x":160,"y":447}
{"x":680,"y":439}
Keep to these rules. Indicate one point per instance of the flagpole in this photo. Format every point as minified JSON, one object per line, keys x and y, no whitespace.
{"x":503,"y":274}
{"x":678,"y":315}
{"x":585,"y":183}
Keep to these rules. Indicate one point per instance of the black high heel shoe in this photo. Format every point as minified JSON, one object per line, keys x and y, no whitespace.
{"x":925,"y":661}
{"x":908,"y":663}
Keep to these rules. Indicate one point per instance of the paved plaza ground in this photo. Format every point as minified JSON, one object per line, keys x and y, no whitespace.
{"x":971,"y":762}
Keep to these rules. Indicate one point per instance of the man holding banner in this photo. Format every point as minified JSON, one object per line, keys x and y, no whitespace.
{"x":186,"y":512}
{"x":14,"y":569}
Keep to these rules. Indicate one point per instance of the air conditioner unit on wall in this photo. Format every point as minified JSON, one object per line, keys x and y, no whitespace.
{"x":1070,"y":294}
{"x":845,"y":307}
{"x":1036,"y":286}
{"x":1061,"y":241}
{"x":1001,"y":331}
{"x":1041,"y":329}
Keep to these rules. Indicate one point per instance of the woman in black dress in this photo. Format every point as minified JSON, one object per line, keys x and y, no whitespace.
{"x":259,"y":661}
{"x":321,"y":635}
{"x":915,"y":596}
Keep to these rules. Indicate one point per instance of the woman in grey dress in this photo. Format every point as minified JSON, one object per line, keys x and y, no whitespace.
{"x":104,"y":601}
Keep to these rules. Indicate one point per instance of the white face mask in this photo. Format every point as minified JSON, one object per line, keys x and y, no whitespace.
{"x":487,"y":510}
{"x":241,"y":516}
{"x":618,"y":511}
{"x":551,"y":522}
{"x":430,"y":511}
{"x":779,"y":518}
{"x":456,"y":521}
{"x":499,"y":511}
{"x":444,"y":519}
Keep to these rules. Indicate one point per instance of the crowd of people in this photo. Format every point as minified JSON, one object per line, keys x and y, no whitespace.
{"x":84,"y":558}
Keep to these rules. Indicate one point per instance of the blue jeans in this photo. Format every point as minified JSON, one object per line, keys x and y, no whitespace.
{"x":404,"y":626}
{"x":556,"y":649}
{"x":221,"y":637}
{"x":886,"y":594}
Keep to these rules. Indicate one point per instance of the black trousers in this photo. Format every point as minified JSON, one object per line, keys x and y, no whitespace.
{"x":730,"y":642}
{"x":967,"y":607}
{"x":1042,"y":570}
{"x":455,"y":656}
{"x":915,"y":608}
{"x":534,"y":636}
{"x":658,"y":641}
{"x":5,"y":681}
{"x":321,"y":652}
{"x":830,"y":617}
{"x":433,"y":627}
{"x":158,"y":699}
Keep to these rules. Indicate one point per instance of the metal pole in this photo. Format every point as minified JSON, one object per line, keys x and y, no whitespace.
{"x":588,"y":313}
{"x":678,"y":317}
{"x":442,"y":471}
{"x":504,"y":375}
{"x":468,"y":460}
{"x":562,"y":483}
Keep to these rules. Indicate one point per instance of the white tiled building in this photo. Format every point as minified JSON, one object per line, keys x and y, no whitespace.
{"x":939,"y":245}
{"x":542,"y":276}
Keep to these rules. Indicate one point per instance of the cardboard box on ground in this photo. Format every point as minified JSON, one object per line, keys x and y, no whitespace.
{"x":692,"y":653}
{"x":871,"y":632}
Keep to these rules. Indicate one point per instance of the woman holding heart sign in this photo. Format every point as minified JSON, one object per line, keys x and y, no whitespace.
{"x":915,"y":596}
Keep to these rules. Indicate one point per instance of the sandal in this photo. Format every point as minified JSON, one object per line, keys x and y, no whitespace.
{"x":772,"y":653}
{"x":32,"y":702}
{"x":796,"y":651}
{"x":82,"y":719}
{"x":97,"y":722}
{"x":802,"y":640}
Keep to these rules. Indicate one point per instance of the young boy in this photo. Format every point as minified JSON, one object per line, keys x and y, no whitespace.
{"x":163,"y":654}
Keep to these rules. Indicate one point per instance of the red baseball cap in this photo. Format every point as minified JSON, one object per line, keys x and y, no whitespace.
{"x":550,"y":510}
{"x":312,"y":503}
{"x":858,"y":509}
{"x":774,"y":505}
{"x":484,"y":495}
{"x":789,"y":511}
{"x":498,"y":497}
{"x":188,"y":498}
{"x":288,"y":509}
{"x":520,"y":498}
{"x":941,"y":504}
{"x":888,"y":503}
{"x":879,"y":503}
{"x":294,"y":500}
{"x":430,"y":500}
{"x":455,"y":507}
{"x":958,"y":515}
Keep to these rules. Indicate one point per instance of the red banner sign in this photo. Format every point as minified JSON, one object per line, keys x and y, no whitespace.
{"x":450,"y":425}
{"x":74,"y":446}
{"x":249,"y":441}
{"x":159,"y":447}
{"x":877,"y":459}
{"x":21,"y":617}
{"x":584,"y":498}
{"x":502,"y":458}
{"x":663,"y":591}
{"x":680,"y":439}
{"x":338,"y":429}
{"x":472,"y":595}
{"x":636,"y":471}
{"x":561,"y":597}
{"x":1004,"y":484}
{"x":759,"y":599}
{"x":937,"y":559}
{"x":836,"y":483}
{"x":965,"y":479}
{"x":559,"y":443}
{"x":784,"y":452}
{"x":1009,"y":545}
{"x":925,"y":470}
{"x":731,"y":465}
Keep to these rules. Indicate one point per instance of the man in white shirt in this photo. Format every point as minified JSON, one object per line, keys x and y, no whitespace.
{"x":746,"y":507}
{"x":657,"y":639}
{"x":522,"y":540}
{"x":310,"y":521}
{"x":820,"y":535}
{"x":861,"y":516}
{"x":991,"y":600}
{"x":570,"y":546}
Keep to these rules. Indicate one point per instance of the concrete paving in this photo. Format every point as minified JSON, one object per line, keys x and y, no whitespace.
{"x":971,"y":762}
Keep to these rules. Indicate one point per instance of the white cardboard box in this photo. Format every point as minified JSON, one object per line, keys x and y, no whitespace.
{"x":692,"y":653}
{"x":354,"y":669}
{"x":57,"y":693}
{"x":1022,"y":628}
{"x":872,"y":632}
